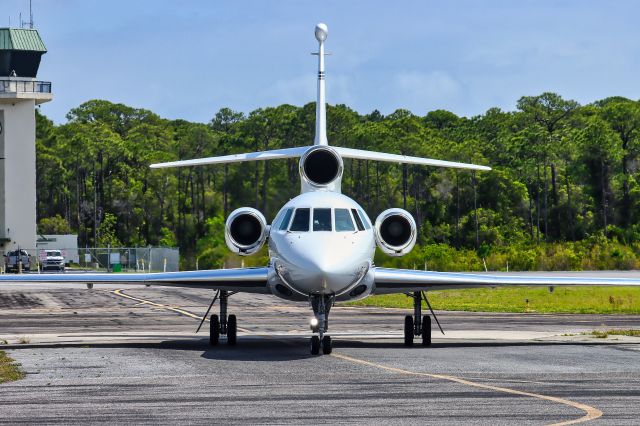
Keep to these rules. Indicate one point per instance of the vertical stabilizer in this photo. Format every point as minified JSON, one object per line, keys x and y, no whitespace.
{"x":321,"y":106}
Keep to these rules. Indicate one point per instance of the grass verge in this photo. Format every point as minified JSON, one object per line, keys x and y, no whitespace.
{"x":9,"y":369}
{"x":571,"y":300}
{"x":607,"y":333}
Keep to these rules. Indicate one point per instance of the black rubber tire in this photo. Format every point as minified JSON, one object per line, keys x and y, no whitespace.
{"x":232,"y":330}
{"x":326,"y":345}
{"x":408,"y":330}
{"x":315,"y":345}
{"x":214,"y":330}
{"x":426,"y":330}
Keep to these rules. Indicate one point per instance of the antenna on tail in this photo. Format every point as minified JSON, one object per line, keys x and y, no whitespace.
{"x":321,"y":106}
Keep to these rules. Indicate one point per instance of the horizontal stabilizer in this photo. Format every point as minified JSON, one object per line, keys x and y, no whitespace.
{"x":237,"y":158}
{"x":396,"y":158}
{"x":298,"y":151}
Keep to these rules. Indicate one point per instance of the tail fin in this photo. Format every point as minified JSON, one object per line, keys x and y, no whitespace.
{"x":321,"y":33}
{"x":321,"y":107}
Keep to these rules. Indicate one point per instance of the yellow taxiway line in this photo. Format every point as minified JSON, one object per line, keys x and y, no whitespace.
{"x":120,"y":293}
{"x":591,"y":412}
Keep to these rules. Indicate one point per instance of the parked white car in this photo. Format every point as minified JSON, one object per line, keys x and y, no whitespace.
{"x":54,"y":260}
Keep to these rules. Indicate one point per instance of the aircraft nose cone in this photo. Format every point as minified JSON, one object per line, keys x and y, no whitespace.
{"x":322,"y":269}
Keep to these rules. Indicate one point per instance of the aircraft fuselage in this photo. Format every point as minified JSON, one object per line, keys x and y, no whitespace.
{"x":321,"y":243}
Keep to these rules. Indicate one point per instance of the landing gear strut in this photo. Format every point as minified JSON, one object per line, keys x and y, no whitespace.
{"x":321,"y":305}
{"x":226,"y":325}
{"x":418,"y":325}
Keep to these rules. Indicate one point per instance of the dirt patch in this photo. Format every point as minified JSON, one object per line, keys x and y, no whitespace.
{"x":19,"y":301}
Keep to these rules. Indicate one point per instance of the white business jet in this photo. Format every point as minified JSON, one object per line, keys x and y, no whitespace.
{"x":321,"y":244}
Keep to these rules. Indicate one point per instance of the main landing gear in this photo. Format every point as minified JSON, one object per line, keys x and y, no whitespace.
{"x":321,"y":305}
{"x":226,"y":325}
{"x":418,"y":325}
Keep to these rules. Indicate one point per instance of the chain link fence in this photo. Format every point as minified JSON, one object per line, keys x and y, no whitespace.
{"x":103,"y":259}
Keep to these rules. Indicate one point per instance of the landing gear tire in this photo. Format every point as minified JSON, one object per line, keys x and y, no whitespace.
{"x":426,"y":330}
{"x":315,"y":345}
{"x":326,"y":345}
{"x":408,"y":330}
{"x":232,"y":330}
{"x":214,"y":330}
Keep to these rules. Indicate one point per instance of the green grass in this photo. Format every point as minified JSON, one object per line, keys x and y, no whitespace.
{"x":9,"y":370}
{"x":607,"y":333}
{"x":574,"y":300}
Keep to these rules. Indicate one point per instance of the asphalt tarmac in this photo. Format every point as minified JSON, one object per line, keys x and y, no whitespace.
{"x":132,"y":356}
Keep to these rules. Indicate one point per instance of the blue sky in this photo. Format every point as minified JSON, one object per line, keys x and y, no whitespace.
{"x":187,"y":59}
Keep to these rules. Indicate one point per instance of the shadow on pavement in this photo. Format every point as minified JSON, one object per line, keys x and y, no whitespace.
{"x":458,"y":344}
{"x":265,"y":348}
{"x":260,"y":350}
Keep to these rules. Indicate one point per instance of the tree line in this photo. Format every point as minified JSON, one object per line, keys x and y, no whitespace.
{"x":564,"y":173}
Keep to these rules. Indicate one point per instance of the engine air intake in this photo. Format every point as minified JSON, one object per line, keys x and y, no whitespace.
{"x":395,"y":232}
{"x":321,"y":166}
{"x":245,"y":231}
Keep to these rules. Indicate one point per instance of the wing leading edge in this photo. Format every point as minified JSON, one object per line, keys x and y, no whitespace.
{"x":247,"y":280}
{"x":405,"y":280}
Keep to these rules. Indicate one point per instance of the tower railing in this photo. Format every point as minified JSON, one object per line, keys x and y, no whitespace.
{"x":11,"y":85}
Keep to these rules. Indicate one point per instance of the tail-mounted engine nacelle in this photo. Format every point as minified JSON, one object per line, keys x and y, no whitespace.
{"x":245,"y":231}
{"x":321,"y":168}
{"x":395,"y":232}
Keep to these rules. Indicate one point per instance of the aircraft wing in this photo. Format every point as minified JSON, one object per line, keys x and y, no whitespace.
{"x":395,"y":158}
{"x":247,"y":280}
{"x":406,"y":280}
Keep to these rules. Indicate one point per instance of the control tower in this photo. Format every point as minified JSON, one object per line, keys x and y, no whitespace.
{"x":20,"y":92}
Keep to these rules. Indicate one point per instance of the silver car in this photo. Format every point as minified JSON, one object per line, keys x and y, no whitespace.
{"x":54,"y":260}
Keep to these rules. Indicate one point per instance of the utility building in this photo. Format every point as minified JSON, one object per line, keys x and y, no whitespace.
{"x":20,"y":92}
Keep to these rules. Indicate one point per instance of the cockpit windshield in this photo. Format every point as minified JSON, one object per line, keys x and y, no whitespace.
{"x":300,"y":221}
{"x":285,"y":220}
{"x":322,"y":219}
{"x":343,"y":221}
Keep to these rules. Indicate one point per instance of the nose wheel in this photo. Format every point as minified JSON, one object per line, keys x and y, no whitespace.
{"x":321,"y":305}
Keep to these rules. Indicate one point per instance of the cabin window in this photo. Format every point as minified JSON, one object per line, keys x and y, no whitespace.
{"x":365,"y":219}
{"x":343,"y":221}
{"x":358,"y":220}
{"x":300,"y":221}
{"x":285,"y":221}
{"x":322,"y":219}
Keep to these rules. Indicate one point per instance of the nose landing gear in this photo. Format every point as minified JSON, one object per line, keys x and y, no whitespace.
{"x":321,"y":305}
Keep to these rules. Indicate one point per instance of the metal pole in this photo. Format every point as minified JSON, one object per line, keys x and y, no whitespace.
{"x":223,"y":311}
{"x":417,"y":313}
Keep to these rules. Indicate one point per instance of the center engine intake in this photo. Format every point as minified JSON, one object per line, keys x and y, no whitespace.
{"x":245,"y":231}
{"x":321,"y":167}
{"x":396,"y":232}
